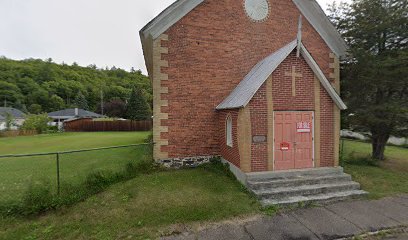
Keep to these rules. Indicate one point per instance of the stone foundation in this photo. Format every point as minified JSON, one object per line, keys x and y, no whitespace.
{"x":185,"y":162}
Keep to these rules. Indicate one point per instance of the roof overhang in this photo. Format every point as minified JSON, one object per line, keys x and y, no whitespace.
{"x":247,"y":88}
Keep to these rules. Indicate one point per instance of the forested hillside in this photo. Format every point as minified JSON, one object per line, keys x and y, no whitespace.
{"x":37,"y":86}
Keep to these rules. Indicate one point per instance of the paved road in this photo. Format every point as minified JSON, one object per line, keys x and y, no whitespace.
{"x":340,"y":220}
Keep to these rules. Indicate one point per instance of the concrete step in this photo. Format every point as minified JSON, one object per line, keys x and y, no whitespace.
{"x":305,"y":185}
{"x":284,"y":175}
{"x":264,"y":184}
{"x":318,"y":198}
{"x":306,"y":190}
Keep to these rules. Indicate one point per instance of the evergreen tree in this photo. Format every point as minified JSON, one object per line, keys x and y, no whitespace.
{"x":81,"y":102}
{"x":138,"y":108}
{"x":375,"y":75}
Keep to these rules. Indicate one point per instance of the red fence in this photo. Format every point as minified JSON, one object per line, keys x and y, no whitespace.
{"x":87,"y":125}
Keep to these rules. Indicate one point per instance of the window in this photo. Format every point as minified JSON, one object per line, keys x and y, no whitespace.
{"x":229,"y":131}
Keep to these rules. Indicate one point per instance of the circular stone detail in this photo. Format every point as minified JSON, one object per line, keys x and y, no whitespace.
{"x":257,"y":10}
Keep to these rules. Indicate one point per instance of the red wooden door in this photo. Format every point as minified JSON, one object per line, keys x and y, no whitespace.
{"x":293,"y":140}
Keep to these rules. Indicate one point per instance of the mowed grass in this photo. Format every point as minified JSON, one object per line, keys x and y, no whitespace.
{"x":142,"y":208}
{"x":16,"y":174}
{"x":381,"y":179}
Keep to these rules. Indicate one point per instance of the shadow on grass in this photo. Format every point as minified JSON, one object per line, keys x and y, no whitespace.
{"x":359,"y":160}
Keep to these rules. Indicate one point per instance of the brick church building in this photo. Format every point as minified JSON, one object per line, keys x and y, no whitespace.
{"x":244,"y":80}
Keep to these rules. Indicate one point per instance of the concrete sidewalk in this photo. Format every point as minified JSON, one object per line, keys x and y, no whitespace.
{"x":336,"y":221}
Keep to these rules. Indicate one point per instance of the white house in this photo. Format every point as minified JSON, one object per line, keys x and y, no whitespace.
{"x":18,"y":117}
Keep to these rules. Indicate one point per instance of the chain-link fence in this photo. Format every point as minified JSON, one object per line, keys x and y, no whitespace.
{"x":58,"y":172}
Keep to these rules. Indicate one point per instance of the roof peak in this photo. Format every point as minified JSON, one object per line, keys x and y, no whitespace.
{"x":310,"y":9}
{"x":247,"y":88}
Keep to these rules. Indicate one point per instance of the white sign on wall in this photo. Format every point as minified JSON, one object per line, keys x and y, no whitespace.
{"x":304,"y":127}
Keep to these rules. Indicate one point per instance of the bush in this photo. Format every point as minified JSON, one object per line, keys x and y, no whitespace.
{"x":38,"y":198}
{"x":97,"y":181}
{"x":37,"y":122}
{"x":52,"y":129}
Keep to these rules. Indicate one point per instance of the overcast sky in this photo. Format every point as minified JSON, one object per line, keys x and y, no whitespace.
{"x":101,"y":32}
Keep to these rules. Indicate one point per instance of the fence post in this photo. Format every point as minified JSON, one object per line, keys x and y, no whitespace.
{"x":58,"y":174}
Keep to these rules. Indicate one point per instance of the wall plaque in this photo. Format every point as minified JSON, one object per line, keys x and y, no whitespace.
{"x":259,"y":139}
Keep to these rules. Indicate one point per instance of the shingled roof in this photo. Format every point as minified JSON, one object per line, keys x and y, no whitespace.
{"x":14,"y":112}
{"x":171,"y":15}
{"x":247,"y":88}
{"x":70,"y":112}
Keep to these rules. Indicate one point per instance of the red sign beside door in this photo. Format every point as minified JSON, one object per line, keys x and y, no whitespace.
{"x":285,"y":146}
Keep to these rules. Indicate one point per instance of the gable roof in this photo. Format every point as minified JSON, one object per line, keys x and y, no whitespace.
{"x":171,"y":15}
{"x":70,"y":112}
{"x":247,"y":88}
{"x":14,"y":112}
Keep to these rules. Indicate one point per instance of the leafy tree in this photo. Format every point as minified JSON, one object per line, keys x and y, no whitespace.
{"x":81,"y":102}
{"x":117,"y":92}
{"x":35,"y":108}
{"x":56,"y":103}
{"x":19,"y":105}
{"x":46,"y":72}
{"x":375,"y":74}
{"x":115,"y":108}
{"x":37,"y":122}
{"x":40,"y":97}
{"x":137,"y":108}
{"x":9,"y":92}
{"x":34,"y":82}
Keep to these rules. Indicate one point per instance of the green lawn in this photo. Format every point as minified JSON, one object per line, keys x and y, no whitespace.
{"x":382,"y":179}
{"x":142,"y":208}
{"x":17,"y":173}
{"x":68,"y":141}
{"x":150,"y":204}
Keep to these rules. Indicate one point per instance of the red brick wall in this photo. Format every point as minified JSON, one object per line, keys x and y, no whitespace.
{"x":210,"y":51}
{"x":282,"y":86}
{"x":284,"y":101}
{"x":259,"y":127}
{"x":230,"y":154}
{"x":326,"y":129}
